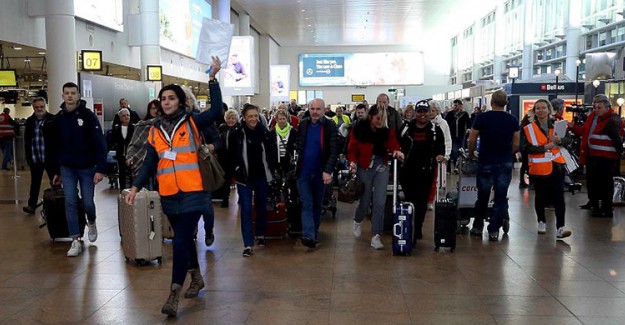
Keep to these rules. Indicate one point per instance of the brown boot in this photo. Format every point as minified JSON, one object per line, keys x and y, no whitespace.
{"x":197,"y":283}
{"x":170,"y":308}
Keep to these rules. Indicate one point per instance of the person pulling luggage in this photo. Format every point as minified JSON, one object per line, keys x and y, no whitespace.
{"x":369,"y":146}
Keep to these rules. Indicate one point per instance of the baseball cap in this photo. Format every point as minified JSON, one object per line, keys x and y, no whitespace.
{"x":422,"y":105}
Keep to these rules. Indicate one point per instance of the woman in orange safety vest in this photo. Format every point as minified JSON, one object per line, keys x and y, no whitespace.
{"x":172,"y":152}
{"x":546,"y":166}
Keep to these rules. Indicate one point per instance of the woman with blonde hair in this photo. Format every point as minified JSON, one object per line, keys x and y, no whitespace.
{"x":546,"y":166}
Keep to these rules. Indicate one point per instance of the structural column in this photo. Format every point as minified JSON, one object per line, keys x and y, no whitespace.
{"x":150,"y":29}
{"x":498,"y":68}
{"x":528,"y":40}
{"x":60,"y":49}
{"x":573,"y":31}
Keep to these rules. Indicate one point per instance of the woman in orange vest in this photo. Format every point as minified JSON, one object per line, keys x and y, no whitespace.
{"x":172,"y":152}
{"x":546,"y":166}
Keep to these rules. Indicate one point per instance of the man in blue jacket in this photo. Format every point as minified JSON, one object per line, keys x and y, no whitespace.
{"x":81,"y":157}
{"x":318,"y":149}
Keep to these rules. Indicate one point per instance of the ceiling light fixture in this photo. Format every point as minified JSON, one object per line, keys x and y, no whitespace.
{"x":42,"y":53}
{"x":303,"y":10}
{"x":17,"y":48}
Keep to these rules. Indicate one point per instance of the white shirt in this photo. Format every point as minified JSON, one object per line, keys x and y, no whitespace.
{"x":440,"y":121}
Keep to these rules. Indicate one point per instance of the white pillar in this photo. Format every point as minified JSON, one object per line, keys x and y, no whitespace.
{"x":573,"y":31}
{"x":223,"y":10}
{"x":244,"y":24}
{"x":528,"y":40}
{"x":499,"y":39}
{"x":150,"y":29}
{"x":60,"y":49}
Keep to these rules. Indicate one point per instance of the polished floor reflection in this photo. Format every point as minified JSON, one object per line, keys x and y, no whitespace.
{"x":523,"y":278}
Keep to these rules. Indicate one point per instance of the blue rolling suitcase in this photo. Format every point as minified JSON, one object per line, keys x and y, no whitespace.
{"x":403,"y":222}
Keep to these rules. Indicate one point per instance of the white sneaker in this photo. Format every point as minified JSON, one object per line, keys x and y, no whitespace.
{"x":430,"y":206}
{"x":357,"y":229}
{"x":93,"y":231}
{"x":563,"y":233}
{"x":376,"y":242}
{"x":542,"y":227}
{"x":75,"y":250}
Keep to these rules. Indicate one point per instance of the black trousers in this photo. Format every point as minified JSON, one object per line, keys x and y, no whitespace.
{"x":416,"y":185}
{"x":125,"y":174}
{"x":36,"y":173}
{"x":600,"y":183}
{"x":550,"y":189}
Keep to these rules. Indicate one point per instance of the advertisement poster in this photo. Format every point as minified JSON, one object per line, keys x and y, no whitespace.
{"x":181,"y":23}
{"x":238,"y":76}
{"x":529,"y":103}
{"x":107,"y":13}
{"x":279,"y":78}
{"x":361,"y":69}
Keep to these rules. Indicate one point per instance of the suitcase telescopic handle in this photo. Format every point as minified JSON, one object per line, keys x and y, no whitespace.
{"x":394,"y":183}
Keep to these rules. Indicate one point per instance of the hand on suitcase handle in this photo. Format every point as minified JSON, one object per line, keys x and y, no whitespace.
{"x":130,"y":197}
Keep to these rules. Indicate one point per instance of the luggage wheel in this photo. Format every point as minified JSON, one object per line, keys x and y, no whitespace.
{"x":160,"y":261}
{"x":436,"y":249}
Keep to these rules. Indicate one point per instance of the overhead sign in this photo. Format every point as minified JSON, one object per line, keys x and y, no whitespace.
{"x":361,"y":69}
{"x":91,"y":60}
{"x":154,"y":73}
{"x":357,"y":98}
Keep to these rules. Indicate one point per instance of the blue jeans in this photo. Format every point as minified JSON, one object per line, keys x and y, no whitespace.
{"x":185,"y":252}
{"x":209,"y":214}
{"x":456,"y":144}
{"x":71,"y":178}
{"x":256,"y":189}
{"x":311,"y":190}
{"x":7,"y":152}
{"x":375,"y":181}
{"x":489,"y":177}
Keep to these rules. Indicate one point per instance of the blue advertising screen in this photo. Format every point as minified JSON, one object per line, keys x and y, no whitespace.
{"x":361,"y":69}
{"x":181,"y":22}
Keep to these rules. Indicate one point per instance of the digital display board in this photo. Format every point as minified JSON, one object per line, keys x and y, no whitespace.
{"x":181,"y":22}
{"x":8,"y":78}
{"x":238,"y":76}
{"x":107,"y":13}
{"x":279,"y":76}
{"x":361,"y":69}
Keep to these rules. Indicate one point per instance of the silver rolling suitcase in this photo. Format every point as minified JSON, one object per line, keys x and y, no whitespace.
{"x":140,"y":227}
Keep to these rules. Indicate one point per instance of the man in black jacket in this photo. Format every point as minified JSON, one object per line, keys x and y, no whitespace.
{"x":318,"y":150}
{"x":81,"y":155}
{"x":459,"y":124}
{"x":37,"y":153}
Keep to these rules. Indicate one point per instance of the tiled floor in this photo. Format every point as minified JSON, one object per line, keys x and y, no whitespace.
{"x":523,"y":279}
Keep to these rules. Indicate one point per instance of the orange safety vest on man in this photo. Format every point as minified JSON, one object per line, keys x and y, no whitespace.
{"x":178,"y":168}
{"x":541,"y":163}
{"x":7,"y":130}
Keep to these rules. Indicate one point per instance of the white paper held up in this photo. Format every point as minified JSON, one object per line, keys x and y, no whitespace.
{"x":215,"y":40}
{"x":559,"y":128}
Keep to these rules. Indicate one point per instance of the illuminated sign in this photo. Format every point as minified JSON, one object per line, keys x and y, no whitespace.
{"x":154,"y":73}
{"x":357,"y":98}
{"x":91,"y":60}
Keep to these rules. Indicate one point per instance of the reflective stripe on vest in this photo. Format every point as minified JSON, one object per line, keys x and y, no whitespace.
{"x":541,"y":163}
{"x":600,"y":142}
{"x":183,"y":173}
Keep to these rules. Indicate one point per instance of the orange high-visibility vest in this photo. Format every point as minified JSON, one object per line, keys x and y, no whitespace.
{"x":183,"y":173}
{"x":540,"y":163}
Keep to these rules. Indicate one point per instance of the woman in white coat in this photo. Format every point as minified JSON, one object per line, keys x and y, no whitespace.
{"x":437,"y":118}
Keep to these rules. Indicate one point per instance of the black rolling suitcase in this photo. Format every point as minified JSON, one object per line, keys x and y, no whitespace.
{"x":403,"y":222}
{"x":53,"y":213}
{"x":445,"y":215}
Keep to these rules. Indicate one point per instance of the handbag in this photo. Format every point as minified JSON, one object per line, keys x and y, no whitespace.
{"x":352,"y":189}
{"x":213,"y":176}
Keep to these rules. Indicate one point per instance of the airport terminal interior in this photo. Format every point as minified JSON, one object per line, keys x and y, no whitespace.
{"x":411,"y":50}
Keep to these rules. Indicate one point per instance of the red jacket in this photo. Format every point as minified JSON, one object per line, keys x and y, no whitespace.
{"x":361,"y":152}
{"x":604,"y":138}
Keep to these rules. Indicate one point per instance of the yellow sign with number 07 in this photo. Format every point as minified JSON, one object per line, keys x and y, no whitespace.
{"x":91,"y":60}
